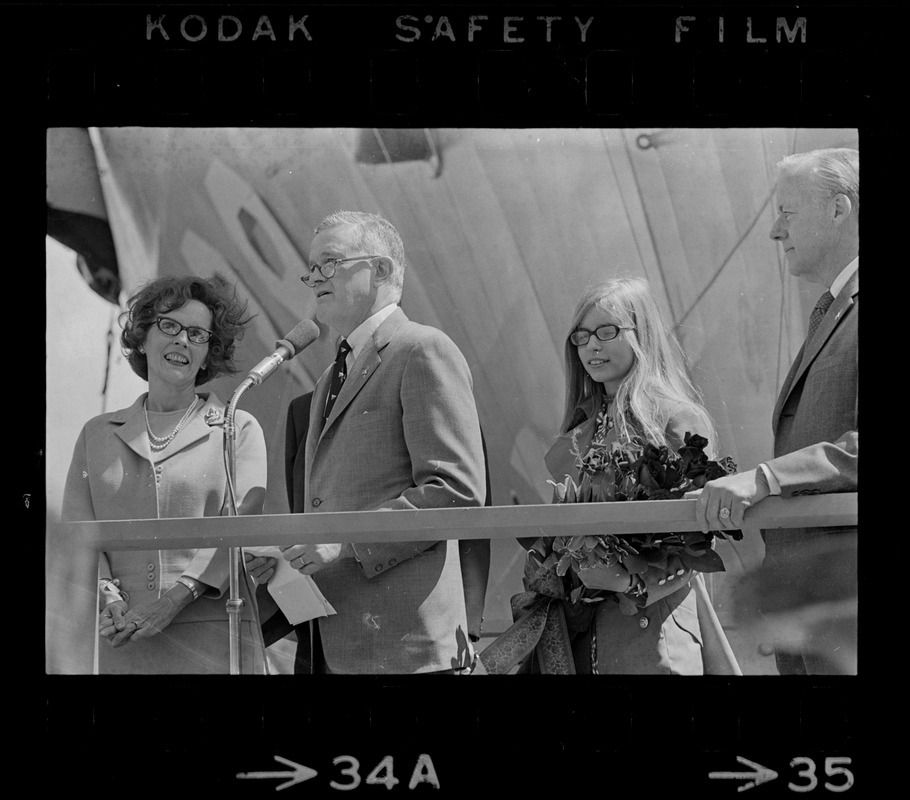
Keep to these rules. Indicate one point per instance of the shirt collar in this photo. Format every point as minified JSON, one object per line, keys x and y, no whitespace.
{"x":365,"y":330}
{"x":844,"y":276}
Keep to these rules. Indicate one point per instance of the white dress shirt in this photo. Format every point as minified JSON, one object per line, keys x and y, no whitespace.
{"x":364,"y":332}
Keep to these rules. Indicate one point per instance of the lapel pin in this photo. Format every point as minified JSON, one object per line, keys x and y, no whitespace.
{"x":214,"y":417}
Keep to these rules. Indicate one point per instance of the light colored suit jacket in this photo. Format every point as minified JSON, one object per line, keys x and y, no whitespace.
{"x":111,"y":478}
{"x":816,"y":421}
{"x":402,"y":434}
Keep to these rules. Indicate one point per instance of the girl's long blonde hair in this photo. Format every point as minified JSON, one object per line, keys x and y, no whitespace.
{"x":657,"y":384}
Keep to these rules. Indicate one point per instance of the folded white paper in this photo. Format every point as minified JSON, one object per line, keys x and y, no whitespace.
{"x":297,"y":595}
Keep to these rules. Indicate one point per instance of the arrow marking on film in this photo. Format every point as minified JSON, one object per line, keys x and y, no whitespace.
{"x":759,"y":775}
{"x":299,"y":775}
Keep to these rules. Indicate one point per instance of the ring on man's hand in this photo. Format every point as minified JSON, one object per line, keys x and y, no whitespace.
{"x":725,"y":513}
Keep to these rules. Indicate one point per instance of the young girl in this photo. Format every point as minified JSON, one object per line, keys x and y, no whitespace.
{"x":625,"y":377}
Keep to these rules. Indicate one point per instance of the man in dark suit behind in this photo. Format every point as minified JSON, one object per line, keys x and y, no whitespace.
{"x":816,"y":419}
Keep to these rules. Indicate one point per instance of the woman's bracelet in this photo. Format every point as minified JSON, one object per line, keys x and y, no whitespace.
{"x":112,"y":589}
{"x":190,"y":584}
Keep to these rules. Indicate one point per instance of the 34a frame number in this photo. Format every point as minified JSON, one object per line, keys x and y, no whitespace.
{"x":383,"y":774}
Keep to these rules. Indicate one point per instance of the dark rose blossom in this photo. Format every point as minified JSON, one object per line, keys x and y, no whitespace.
{"x":649,"y":470}
{"x":634,"y":470}
{"x":696,"y":441}
{"x":692,"y":455}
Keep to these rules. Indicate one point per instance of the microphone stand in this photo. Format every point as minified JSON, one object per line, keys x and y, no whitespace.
{"x":303,"y":334}
{"x":234,"y":603}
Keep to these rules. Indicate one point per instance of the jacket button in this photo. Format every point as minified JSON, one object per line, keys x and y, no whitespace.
{"x":151,"y":586}
{"x":393,"y":562}
{"x":151,"y":576}
{"x":643,"y":622}
{"x":379,"y":567}
{"x":316,"y":502}
{"x":151,"y":567}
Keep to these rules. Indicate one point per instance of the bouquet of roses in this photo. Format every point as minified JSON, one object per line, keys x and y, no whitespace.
{"x":556,"y":605}
{"x":632,"y":470}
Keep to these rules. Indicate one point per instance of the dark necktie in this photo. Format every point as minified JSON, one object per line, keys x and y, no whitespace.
{"x":824,"y":302}
{"x":339,"y":373}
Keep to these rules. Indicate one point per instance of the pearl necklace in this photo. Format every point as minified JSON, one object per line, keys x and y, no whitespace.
{"x":157,"y":443}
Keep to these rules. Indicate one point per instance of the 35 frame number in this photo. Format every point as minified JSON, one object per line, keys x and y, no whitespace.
{"x":835,"y":767}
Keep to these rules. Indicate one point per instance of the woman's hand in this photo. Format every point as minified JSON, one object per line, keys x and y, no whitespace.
{"x":148,"y":619}
{"x":612,"y":579}
{"x":260,"y":568}
{"x":110,"y":619}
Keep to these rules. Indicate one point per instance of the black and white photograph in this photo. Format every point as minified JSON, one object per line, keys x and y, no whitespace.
{"x":504,"y":343}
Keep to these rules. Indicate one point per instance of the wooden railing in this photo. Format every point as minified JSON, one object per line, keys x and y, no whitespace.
{"x":495,"y":522}
{"x":83,"y":539}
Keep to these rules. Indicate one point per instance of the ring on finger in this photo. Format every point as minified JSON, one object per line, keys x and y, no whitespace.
{"x":725,"y":513}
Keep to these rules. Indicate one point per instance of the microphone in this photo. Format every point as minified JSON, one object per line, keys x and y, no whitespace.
{"x":303,"y":335}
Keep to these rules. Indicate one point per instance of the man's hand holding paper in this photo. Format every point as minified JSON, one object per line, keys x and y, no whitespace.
{"x":297,"y":595}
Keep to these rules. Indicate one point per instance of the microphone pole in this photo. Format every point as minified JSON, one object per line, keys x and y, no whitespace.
{"x":234,"y":602}
{"x":303,"y":335}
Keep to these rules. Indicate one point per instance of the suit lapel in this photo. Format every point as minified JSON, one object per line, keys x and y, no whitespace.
{"x":365,"y":365}
{"x":132,"y":429}
{"x":198,"y":427}
{"x":317,"y":406}
{"x":839,"y":308}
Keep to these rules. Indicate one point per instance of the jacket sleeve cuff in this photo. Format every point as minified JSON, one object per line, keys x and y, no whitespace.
{"x":376,"y":559}
{"x":210,"y":567}
{"x":773,"y":485}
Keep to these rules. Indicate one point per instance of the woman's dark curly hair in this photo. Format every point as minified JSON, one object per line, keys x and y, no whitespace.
{"x":229,"y":319}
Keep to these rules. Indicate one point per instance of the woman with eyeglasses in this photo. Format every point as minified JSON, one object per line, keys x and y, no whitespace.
{"x":163,"y":611}
{"x":625,"y":377}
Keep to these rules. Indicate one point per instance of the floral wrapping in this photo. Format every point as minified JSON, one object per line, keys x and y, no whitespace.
{"x":556,"y":605}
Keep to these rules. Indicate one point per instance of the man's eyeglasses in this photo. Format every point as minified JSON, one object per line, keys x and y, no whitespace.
{"x":605,"y":333}
{"x":194,"y":333}
{"x":328,"y":269}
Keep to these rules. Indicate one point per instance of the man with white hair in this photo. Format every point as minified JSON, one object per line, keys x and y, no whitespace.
{"x":816,"y":417}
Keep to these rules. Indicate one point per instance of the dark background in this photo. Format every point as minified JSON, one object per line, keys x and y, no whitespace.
{"x":91,"y":65}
